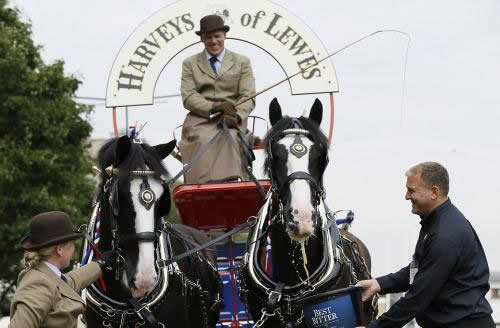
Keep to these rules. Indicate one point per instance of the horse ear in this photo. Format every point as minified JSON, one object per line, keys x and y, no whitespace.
{"x":274,"y":111}
{"x":316,"y":113}
{"x":165,"y":149}
{"x":122,"y":149}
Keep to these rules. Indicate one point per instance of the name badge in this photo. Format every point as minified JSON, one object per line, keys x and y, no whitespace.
{"x":413,"y":271}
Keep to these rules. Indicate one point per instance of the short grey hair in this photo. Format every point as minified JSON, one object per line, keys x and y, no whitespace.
{"x":432,"y":174}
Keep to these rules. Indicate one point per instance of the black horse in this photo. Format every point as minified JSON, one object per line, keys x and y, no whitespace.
{"x":143,"y":288}
{"x":309,"y":254}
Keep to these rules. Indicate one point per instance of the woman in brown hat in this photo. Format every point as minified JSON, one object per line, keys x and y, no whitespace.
{"x":44,"y":296}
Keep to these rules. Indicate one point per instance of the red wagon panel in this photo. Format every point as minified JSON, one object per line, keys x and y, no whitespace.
{"x":218,"y":205}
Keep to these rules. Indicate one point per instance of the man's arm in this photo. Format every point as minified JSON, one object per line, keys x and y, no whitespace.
{"x":397,"y":282}
{"x":391,"y":283}
{"x":246,"y":88}
{"x":191,"y":98}
{"x":440,"y":257}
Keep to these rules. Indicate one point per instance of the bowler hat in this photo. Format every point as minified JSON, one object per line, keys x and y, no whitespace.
{"x":47,"y":229}
{"x":212,"y":23}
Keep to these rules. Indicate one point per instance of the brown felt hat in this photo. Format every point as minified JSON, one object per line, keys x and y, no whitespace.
{"x":47,"y":229}
{"x":212,"y":23}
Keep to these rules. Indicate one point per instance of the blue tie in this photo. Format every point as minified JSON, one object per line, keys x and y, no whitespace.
{"x":64,"y":278}
{"x":213,"y":60}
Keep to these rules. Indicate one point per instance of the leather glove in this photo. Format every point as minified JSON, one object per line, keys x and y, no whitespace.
{"x":232,"y":121}
{"x":225,"y":107}
{"x":107,"y":258}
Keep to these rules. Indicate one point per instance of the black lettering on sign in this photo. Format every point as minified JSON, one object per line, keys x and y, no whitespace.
{"x":287,"y":36}
{"x":307,"y":63}
{"x":129,"y":81}
{"x":284,"y":38}
{"x":162,"y":30}
{"x":141,"y":67}
{"x":300,"y":48}
{"x":272,"y":25}
{"x":151,"y":43}
{"x":311,"y":73}
{"x":175,"y":24}
{"x":245,"y":19}
{"x":188,"y":23}
{"x":144,"y":52}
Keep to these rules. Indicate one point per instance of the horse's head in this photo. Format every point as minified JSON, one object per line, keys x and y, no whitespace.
{"x":135,"y":195}
{"x":296,"y":158}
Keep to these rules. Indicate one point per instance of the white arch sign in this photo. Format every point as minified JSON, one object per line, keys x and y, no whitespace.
{"x":162,"y":36}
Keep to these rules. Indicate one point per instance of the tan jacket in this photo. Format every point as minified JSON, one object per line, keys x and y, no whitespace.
{"x":43,"y":299}
{"x":200,"y":89}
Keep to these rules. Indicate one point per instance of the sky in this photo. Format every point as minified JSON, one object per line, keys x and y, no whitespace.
{"x":443,"y":105}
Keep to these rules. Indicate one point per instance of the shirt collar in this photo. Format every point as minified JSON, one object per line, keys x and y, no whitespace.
{"x":53,"y":268}
{"x":220,"y":57}
{"x":444,"y":205}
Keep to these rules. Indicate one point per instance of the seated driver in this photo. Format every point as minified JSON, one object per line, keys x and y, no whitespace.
{"x":212,"y":82}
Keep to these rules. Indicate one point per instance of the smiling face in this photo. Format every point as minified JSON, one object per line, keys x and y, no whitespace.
{"x":214,"y":42}
{"x":423,"y":198}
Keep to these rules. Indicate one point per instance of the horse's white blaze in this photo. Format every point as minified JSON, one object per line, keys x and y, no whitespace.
{"x":145,"y":277}
{"x":300,"y":192}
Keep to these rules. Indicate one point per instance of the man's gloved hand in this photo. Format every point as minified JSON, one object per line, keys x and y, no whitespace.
{"x":232,"y":121}
{"x":107,"y":258}
{"x":225,"y":107}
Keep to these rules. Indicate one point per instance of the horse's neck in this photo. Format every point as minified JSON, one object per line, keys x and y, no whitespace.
{"x":288,"y":262}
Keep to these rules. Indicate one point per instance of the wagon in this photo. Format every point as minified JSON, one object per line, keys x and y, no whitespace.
{"x":219,"y":207}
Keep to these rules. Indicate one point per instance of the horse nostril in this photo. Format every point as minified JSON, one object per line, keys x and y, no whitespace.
{"x":293,"y":226}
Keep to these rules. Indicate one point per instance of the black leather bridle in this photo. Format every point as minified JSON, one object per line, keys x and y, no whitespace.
{"x":297,"y":149}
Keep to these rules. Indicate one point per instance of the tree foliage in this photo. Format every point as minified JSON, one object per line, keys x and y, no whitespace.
{"x":44,"y":162}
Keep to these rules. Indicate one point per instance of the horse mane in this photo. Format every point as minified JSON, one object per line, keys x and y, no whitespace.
{"x":140,"y":157}
{"x":317,"y":136}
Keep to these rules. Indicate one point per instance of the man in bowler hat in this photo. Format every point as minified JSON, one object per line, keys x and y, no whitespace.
{"x":212,"y":82}
{"x":45,"y":297}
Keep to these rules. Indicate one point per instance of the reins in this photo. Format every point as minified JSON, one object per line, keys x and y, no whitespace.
{"x":247,"y":151}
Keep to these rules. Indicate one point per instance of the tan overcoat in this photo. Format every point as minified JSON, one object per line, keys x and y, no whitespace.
{"x":200,"y":89}
{"x":44,"y":300}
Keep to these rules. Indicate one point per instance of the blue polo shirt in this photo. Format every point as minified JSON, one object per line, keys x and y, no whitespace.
{"x":452,"y":278}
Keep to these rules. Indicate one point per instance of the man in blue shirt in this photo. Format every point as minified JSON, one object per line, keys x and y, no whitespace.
{"x":447,"y":280}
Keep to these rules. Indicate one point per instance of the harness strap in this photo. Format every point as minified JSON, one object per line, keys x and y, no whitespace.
{"x":141,"y":236}
{"x":298,"y":175}
{"x":143,"y":312}
{"x":196,"y":157}
{"x":335,"y":233}
{"x":274,"y":298}
{"x":187,"y":239}
{"x":206,"y":245}
{"x":247,"y":150}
